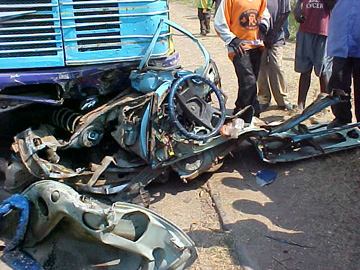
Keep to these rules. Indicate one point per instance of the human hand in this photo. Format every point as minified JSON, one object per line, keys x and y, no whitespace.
{"x":262,"y":31}
{"x":298,"y":13}
{"x":263,"y":28}
{"x":237,"y":47}
{"x":268,"y":44}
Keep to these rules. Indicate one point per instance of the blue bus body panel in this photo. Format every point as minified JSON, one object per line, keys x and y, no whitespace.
{"x":56,"y":33}
{"x":111,"y":30}
{"x":32,"y":39}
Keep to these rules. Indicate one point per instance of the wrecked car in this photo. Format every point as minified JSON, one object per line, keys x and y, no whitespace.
{"x":112,"y":128}
{"x":163,"y":118}
{"x":97,"y":100}
{"x":91,"y":79}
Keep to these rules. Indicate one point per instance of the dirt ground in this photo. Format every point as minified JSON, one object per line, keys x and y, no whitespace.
{"x":308,"y":219}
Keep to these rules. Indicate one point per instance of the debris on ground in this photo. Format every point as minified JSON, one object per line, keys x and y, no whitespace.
{"x":265,"y":177}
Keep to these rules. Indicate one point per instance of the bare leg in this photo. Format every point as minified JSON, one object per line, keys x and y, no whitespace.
{"x":304,"y":85}
{"x":356,"y":78}
{"x":324,"y":82}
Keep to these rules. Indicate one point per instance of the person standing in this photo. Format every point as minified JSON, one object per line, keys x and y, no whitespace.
{"x":311,"y":42}
{"x":217,"y":4}
{"x":286,"y":28}
{"x":271,"y":75}
{"x":204,"y":15}
{"x":240,"y":23}
{"x":344,"y":46}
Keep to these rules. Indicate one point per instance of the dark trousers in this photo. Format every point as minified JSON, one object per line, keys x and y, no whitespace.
{"x":342,"y":71}
{"x":217,"y":4}
{"x":247,"y":71}
{"x":204,"y":20}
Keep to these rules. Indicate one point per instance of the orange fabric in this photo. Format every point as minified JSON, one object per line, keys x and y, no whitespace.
{"x":243,"y":18}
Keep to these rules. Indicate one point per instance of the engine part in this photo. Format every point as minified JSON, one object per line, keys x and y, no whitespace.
{"x":17,"y":177}
{"x":91,"y":136}
{"x":66,"y":119}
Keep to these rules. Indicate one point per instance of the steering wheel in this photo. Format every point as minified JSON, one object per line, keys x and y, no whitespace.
{"x":195,"y":107}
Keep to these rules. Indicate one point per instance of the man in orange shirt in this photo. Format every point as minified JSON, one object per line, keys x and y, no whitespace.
{"x":240,"y":23}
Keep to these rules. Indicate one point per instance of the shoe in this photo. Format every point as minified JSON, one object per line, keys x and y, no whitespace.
{"x":264,"y":107}
{"x":287,"y":107}
{"x":203,"y":33}
{"x":336,"y":123}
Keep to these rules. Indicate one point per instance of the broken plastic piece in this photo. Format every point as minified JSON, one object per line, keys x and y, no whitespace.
{"x":265,"y":177}
{"x":233,"y":129}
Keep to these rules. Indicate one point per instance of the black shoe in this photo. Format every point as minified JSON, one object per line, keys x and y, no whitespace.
{"x":203,"y":33}
{"x":336,"y":123}
{"x":287,"y":107}
{"x":264,"y":107}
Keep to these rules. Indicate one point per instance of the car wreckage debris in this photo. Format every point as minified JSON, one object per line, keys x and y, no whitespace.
{"x":112,"y":141}
{"x":169,"y":119}
{"x":292,"y":140}
{"x":164,"y":119}
{"x":57,"y":228}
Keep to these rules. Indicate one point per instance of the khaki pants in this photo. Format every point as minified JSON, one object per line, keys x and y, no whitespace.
{"x":271,"y":77}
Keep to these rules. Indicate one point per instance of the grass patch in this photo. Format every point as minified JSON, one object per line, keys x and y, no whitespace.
{"x":293,"y":27}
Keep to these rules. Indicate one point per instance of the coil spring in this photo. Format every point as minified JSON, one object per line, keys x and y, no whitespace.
{"x":66,"y":119}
